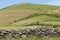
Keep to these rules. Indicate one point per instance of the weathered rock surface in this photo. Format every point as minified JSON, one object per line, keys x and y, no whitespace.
{"x":40,"y":32}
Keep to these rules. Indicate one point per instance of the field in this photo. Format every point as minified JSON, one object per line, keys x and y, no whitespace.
{"x":26,"y":15}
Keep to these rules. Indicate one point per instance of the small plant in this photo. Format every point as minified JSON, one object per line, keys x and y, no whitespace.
{"x":37,"y":22}
{"x":15,"y":21}
{"x":54,"y":26}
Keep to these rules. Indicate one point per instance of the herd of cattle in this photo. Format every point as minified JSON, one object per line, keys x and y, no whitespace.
{"x":40,"y":32}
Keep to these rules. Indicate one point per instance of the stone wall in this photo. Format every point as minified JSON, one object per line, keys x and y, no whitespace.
{"x":40,"y":32}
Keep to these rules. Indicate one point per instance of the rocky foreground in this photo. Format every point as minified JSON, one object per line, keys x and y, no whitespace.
{"x":40,"y":32}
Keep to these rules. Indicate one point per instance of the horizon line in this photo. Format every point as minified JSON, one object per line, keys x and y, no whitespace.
{"x":28,"y":3}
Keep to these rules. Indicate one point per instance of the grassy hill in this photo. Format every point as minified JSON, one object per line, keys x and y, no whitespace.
{"x":27,"y":14}
{"x":29,"y":6}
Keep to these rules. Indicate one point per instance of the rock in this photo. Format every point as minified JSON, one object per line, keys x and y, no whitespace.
{"x":23,"y":36}
{"x":41,"y":32}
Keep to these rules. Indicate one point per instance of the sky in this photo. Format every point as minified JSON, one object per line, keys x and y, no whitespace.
{"x":5,"y":3}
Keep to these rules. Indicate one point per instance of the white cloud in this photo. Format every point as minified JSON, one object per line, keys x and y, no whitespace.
{"x":54,"y":2}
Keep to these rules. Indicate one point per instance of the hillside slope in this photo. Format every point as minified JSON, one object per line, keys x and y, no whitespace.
{"x":29,"y":15}
{"x":29,"y":6}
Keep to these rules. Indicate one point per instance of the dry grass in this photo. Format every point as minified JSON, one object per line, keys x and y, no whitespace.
{"x":8,"y":16}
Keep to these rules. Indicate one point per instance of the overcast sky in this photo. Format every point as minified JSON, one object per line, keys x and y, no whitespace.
{"x":5,"y":3}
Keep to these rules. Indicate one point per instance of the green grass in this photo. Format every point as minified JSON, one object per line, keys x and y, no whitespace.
{"x":32,"y":38}
{"x":44,"y":19}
